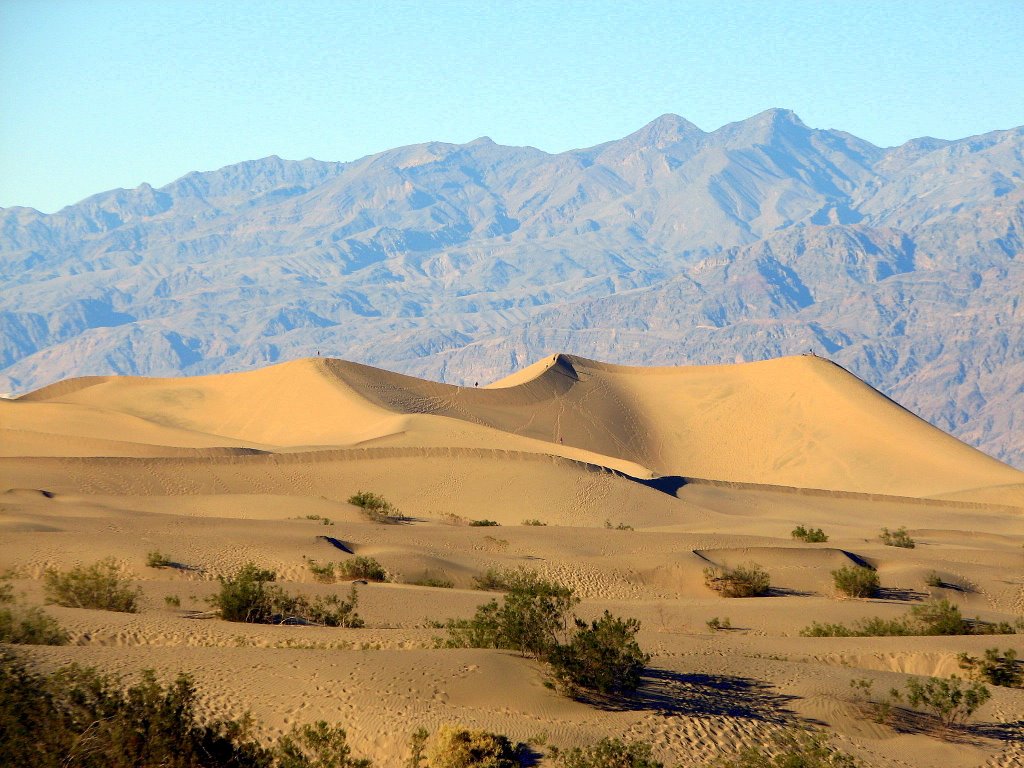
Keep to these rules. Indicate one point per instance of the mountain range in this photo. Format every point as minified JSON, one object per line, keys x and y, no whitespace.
{"x":463,"y":263}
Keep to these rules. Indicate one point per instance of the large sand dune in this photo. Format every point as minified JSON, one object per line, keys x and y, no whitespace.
{"x":689,"y":467}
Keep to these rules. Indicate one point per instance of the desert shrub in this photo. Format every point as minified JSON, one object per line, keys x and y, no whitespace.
{"x":742,"y":581}
{"x":99,"y":585}
{"x":603,"y":657}
{"x":856,"y":581}
{"x":619,"y":527}
{"x":607,"y":753}
{"x":518,"y":580}
{"x":810,"y":535}
{"x":995,"y":668}
{"x":29,"y":625}
{"x":940,"y":617}
{"x":172,"y":601}
{"x":934,"y":580}
{"x":156,"y":559}
{"x":483,"y":523}
{"x":438,"y":582}
{"x":251,"y":596}
{"x":362,"y":568}
{"x":323,"y":573}
{"x":873,"y":627}
{"x":948,"y":700}
{"x":716,"y":624}
{"x":533,"y":614}
{"x":79,"y":717}
{"x":791,"y":749}
{"x":533,"y":521}
{"x":897,"y":538}
{"x":318,"y":745}
{"x":376,"y":507}
{"x":462,"y":748}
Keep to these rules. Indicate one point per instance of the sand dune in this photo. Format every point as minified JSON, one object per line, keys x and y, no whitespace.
{"x":640,"y":479}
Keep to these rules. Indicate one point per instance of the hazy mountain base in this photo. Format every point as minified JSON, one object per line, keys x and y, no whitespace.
{"x":463,"y":263}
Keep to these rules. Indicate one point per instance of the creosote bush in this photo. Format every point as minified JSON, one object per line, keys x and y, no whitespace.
{"x":856,"y":581}
{"x":950,"y":701}
{"x":897,"y":538}
{"x":995,"y":667}
{"x":156,"y":559}
{"x":607,"y":753}
{"x":376,"y":507}
{"x":358,"y":567}
{"x":79,"y":718}
{"x":483,"y":523}
{"x":792,"y":749}
{"x":936,"y":617}
{"x":533,"y":521}
{"x":458,"y":747}
{"x":26,"y":625}
{"x":99,"y":585}
{"x":742,"y":581}
{"x":810,"y":535}
{"x":251,"y":596}
{"x":603,"y":657}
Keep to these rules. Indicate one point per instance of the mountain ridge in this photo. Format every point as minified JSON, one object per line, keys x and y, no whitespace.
{"x":462,"y":261}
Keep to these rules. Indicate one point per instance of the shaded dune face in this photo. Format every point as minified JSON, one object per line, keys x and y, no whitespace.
{"x":800,"y":422}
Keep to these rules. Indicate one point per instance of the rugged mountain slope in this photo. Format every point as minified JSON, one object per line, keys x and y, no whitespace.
{"x":464,"y":262}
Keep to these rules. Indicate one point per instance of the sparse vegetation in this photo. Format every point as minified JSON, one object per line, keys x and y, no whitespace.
{"x":320,"y":518}
{"x":438,"y":582}
{"x":362,"y":568}
{"x":251,"y":596}
{"x":156,"y":559}
{"x":322,"y":573}
{"x":792,"y":749}
{"x":619,"y":527}
{"x":897,"y":538}
{"x":717,"y":624}
{"x":934,"y":580}
{"x":100,"y":585}
{"x":29,"y":625}
{"x":742,"y":581}
{"x":458,"y":747}
{"x":607,"y":753}
{"x":936,"y":617}
{"x":79,"y":718}
{"x":518,"y":579}
{"x":172,"y":601}
{"x":995,"y":667}
{"x":948,"y":700}
{"x":810,"y":535}
{"x":533,"y":521}
{"x":482,"y":523}
{"x":376,"y":507}
{"x":856,"y":581}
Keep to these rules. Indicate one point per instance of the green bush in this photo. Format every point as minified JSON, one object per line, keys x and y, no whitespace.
{"x":936,"y":617}
{"x":438,"y":582}
{"x":856,"y":581}
{"x":323,"y":573}
{"x":934,"y":580}
{"x":897,"y":538}
{"x":362,"y":568}
{"x":603,"y":658}
{"x":742,"y":581}
{"x":376,"y":507}
{"x":29,"y":625}
{"x":533,"y":521}
{"x":791,"y":749}
{"x":995,"y":668}
{"x":483,"y":523}
{"x":948,"y":700}
{"x":518,"y":580}
{"x":716,"y":624}
{"x":316,"y":746}
{"x":250,"y":596}
{"x":79,"y":718}
{"x":607,"y":753}
{"x":810,"y":535}
{"x":156,"y":559}
{"x":100,"y":585}
{"x":462,"y":748}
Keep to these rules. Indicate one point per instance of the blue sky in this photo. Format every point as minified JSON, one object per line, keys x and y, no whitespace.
{"x":97,"y":94}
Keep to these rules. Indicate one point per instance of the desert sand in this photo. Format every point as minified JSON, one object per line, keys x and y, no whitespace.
{"x":698,"y":465}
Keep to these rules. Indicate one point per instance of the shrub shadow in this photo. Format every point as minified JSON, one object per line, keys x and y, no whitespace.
{"x":675,"y":693}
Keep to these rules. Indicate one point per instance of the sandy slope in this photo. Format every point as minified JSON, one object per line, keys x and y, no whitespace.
{"x":707,"y":465}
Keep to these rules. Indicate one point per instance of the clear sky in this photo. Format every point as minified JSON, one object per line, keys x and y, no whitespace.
{"x":97,"y":94}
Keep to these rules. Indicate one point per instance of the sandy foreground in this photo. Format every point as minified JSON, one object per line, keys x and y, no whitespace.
{"x":711,"y":464}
